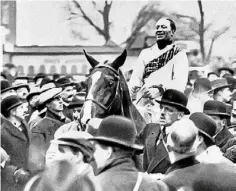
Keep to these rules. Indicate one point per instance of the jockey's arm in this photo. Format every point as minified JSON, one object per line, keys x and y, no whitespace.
{"x":136,"y":80}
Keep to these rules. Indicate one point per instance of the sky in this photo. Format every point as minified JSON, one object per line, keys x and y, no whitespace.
{"x":44,"y":22}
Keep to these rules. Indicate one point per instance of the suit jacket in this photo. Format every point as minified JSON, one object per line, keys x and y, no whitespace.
{"x":203,"y":177}
{"x":68,"y":112}
{"x":120,"y":174}
{"x":222,"y":139}
{"x":41,"y":135}
{"x":15,"y":142}
{"x":183,"y":163}
{"x":155,"y":157}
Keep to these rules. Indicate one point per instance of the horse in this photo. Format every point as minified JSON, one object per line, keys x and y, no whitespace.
{"x":107,"y":92}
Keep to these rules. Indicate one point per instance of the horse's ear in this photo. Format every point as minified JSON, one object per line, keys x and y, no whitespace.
{"x":92,"y":61}
{"x":120,"y":60}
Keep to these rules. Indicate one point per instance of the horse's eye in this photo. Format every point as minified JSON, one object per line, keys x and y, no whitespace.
{"x":110,"y":83}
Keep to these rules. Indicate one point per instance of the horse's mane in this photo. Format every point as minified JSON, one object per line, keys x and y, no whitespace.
{"x":129,"y":109}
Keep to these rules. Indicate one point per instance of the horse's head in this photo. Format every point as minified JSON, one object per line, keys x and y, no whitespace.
{"x":104,"y":89}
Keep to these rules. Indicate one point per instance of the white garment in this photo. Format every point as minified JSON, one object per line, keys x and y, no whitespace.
{"x":173,"y":75}
{"x":195,"y":104}
{"x":212,"y":155}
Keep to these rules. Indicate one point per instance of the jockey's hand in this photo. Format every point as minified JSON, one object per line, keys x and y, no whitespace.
{"x":150,"y":92}
{"x":134,"y":91}
{"x":21,"y":175}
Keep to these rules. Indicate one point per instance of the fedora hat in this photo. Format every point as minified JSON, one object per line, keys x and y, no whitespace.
{"x":5,"y":86}
{"x":21,"y":80}
{"x":205,"y":125}
{"x":213,"y":107}
{"x":47,"y":86}
{"x":64,"y":81}
{"x":231,"y":71}
{"x":10,"y":102}
{"x":219,"y":84}
{"x":76,"y":102}
{"x":118,"y":130}
{"x":34,"y":91}
{"x":176,"y":99}
{"x":182,"y":137}
{"x":48,"y":94}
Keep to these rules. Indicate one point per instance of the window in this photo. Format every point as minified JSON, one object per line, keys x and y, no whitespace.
{"x":42,"y":69}
{"x":20,"y":70}
{"x":31,"y":70}
{"x":53,"y":70}
{"x":74,"y":69}
{"x":84,"y":69}
{"x":63,"y":70}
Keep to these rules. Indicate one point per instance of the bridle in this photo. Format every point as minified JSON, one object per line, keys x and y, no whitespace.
{"x":118,"y":90}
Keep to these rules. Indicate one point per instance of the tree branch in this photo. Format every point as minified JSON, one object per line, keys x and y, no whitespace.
{"x":85,"y":16}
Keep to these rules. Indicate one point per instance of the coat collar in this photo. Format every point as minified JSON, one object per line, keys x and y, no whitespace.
{"x":183,"y":163}
{"x":53,"y":115}
{"x":24,"y":134}
{"x":222,"y":137}
{"x":124,"y":163}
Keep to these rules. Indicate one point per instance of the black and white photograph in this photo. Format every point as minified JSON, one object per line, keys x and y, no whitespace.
{"x":118,"y":95}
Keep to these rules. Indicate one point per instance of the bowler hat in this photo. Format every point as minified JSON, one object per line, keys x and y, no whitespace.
{"x":205,"y":124}
{"x":21,"y":85}
{"x":76,"y":102}
{"x":5,"y":86}
{"x":176,"y":99}
{"x":219,"y":84}
{"x":118,"y":130}
{"x":64,"y":81}
{"x":213,"y":107}
{"x":34,"y":91}
{"x":10,"y":102}
{"x":48,"y":94}
{"x":39,"y":75}
{"x":231,"y":71}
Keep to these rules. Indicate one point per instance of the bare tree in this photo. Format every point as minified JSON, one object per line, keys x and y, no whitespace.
{"x":200,"y":29}
{"x":146,"y":14}
{"x":104,"y":13}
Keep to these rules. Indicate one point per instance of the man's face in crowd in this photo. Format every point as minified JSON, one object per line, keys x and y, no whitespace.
{"x":223,"y":72}
{"x":56,"y":104}
{"x":163,"y":30}
{"x":76,"y":113}
{"x":212,"y":77}
{"x":20,"y":111}
{"x":57,"y":152}
{"x":169,"y":115}
{"x":33,"y":100}
{"x":101,"y":155}
{"x":220,"y":123}
{"x":68,"y":94}
{"x":7,"y":93}
{"x":22,"y":92}
{"x":225,"y":93}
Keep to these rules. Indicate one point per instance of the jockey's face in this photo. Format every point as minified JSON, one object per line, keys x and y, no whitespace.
{"x":163,"y":30}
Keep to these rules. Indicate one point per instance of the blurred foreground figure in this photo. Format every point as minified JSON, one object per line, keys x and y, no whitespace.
{"x":186,"y":173}
{"x":114,"y":166}
{"x":67,"y":165}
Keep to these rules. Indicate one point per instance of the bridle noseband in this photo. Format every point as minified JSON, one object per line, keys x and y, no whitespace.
{"x":118,"y":88}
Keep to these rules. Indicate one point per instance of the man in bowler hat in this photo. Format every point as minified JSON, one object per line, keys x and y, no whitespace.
{"x":173,"y":108}
{"x":207,"y":150}
{"x":15,"y":139}
{"x":217,"y":111}
{"x":186,"y":173}
{"x":113,"y":166}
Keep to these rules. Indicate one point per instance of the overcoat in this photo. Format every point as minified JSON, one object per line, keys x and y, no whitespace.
{"x":203,"y":177}
{"x":120,"y":174}
{"x":155,"y":156}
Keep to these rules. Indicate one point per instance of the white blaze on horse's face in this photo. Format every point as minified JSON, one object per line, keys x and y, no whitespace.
{"x":88,"y":104}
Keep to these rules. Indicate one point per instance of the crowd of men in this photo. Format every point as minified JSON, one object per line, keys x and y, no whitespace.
{"x":188,"y":143}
